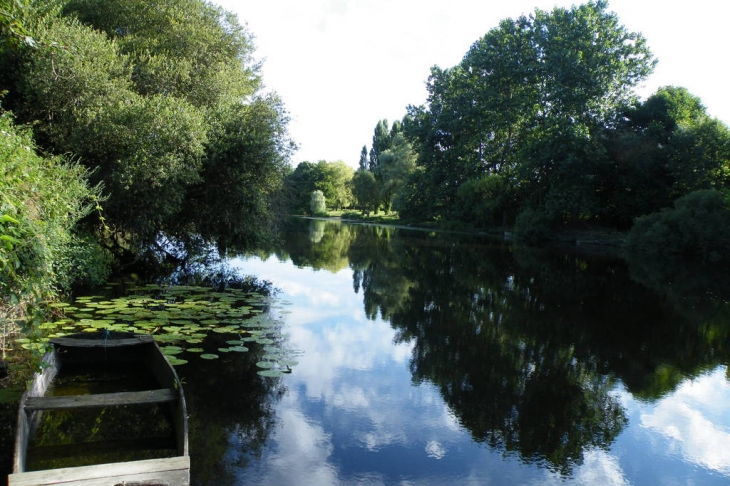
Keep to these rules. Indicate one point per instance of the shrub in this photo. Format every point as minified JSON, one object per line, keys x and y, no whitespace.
{"x":41,"y":201}
{"x":698,"y":227}
{"x":532,"y":225}
{"x":317,"y":203}
{"x":483,"y":202}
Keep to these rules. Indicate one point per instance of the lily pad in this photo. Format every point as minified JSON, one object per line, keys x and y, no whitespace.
{"x":271,"y":373}
{"x":238,"y":349}
{"x":209,"y":356}
{"x":223,"y":330}
{"x":171,"y":350}
{"x":265,"y":364}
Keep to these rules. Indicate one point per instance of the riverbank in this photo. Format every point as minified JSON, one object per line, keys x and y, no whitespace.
{"x":607,"y":238}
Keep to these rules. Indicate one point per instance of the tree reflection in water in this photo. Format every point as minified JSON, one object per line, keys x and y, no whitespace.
{"x":524,"y":345}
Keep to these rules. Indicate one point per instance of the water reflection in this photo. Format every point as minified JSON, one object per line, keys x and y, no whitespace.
{"x":688,"y":422}
{"x":421,"y":350}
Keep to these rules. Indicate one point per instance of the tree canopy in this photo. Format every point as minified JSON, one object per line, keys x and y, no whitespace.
{"x":163,"y":103}
{"x":539,"y":126}
{"x":332,"y":179}
{"x":529,"y":102}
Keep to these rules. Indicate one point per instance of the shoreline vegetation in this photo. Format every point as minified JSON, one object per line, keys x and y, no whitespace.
{"x":603,"y":237}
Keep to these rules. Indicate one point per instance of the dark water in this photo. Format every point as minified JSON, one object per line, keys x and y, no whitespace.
{"x":427,"y":359}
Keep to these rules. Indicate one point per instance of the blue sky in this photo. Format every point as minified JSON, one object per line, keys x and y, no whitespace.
{"x":341,"y":65}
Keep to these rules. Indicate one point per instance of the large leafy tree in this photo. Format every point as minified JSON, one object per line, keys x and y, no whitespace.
{"x":365,"y":190}
{"x":664,"y":148}
{"x":185,"y":48}
{"x":163,"y":102}
{"x":529,"y":101}
{"x":334,"y":182}
{"x":333,"y":179}
{"x":395,"y":166}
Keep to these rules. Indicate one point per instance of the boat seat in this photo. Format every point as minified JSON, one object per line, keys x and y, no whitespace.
{"x":161,"y":395}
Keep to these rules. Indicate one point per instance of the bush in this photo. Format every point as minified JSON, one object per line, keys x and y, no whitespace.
{"x":697,"y":227}
{"x":41,"y":201}
{"x":484,"y":202}
{"x":532,"y":226}
{"x":317,"y":204}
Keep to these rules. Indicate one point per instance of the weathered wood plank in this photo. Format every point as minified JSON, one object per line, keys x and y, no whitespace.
{"x":170,"y":471}
{"x":101,"y":400}
{"x":102,"y":343}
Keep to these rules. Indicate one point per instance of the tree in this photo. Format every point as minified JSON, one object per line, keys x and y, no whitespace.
{"x":301,"y":183}
{"x":530,"y":102}
{"x":332,"y":178}
{"x":318,"y":204}
{"x":363,"y":165}
{"x":698,"y":226}
{"x":664,"y":148}
{"x":183,"y":48}
{"x":395,"y":166}
{"x":162,"y":103}
{"x":334,"y":181}
{"x":365,"y":189}
{"x":242,"y":178}
{"x":381,"y":142}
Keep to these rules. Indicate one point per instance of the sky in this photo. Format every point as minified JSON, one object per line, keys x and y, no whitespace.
{"x":342,"y":65}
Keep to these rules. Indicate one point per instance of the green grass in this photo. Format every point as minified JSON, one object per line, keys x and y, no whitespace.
{"x":381,"y":217}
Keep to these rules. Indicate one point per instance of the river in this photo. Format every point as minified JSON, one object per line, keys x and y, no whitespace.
{"x":448,"y":359}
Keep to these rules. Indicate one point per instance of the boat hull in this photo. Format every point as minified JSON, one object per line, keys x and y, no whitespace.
{"x":118,"y":351}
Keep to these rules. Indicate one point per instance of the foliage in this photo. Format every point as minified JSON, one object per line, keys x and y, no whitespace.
{"x":333,"y":179}
{"x":162,"y":103}
{"x":527,"y":103}
{"x":334,"y":182}
{"x":486,"y":202}
{"x":317,"y":204}
{"x":242,"y":175}
{"x":664,"y":148}
{"x":363,"y":163}
{"x":392,"y":161}
{"x":532,"y":226}
{"x":41,"y":200}
{"x":396,"y":164}
{"x":366,"y":191}
{"x":698,"y":226}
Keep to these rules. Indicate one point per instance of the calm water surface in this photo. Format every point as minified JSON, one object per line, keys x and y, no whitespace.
{"x":426,"y":359}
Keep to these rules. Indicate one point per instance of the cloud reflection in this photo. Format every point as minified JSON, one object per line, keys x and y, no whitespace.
{"x":694,"y":421}
{"x":351,"y":395}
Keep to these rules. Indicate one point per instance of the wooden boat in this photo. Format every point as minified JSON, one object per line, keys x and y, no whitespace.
{"x":152,"y":399}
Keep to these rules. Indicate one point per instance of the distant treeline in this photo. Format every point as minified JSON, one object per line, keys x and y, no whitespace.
{"x":539,"y":128}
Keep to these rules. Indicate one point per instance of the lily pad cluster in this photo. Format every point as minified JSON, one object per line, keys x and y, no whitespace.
{"x":179,"y":318}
